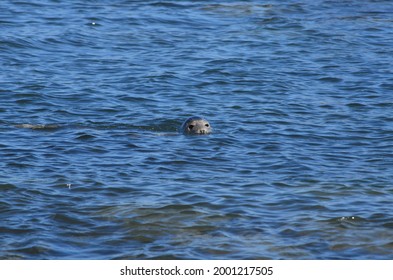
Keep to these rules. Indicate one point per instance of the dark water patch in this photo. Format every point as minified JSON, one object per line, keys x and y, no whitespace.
{"x":85,"y":137}
{"x":7,"y":187}
{"x":331,"y":79}
{"x":24,"y":252}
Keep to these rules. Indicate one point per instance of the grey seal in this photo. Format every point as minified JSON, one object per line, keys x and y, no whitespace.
{"x":196,"y":125}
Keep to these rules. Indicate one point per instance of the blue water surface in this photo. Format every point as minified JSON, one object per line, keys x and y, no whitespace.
{"x":299,"y":95}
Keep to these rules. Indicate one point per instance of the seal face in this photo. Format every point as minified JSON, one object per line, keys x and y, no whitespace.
{"x":196,"y":125}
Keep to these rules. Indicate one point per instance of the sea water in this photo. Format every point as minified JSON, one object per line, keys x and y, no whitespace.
{"x":299,"y":95}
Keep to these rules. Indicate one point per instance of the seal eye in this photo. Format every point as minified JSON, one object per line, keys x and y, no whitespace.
{"x":190,"y":127}
{"x":207,"y":125}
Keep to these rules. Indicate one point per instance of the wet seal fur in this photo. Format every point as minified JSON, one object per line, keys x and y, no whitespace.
{"x":38,"y":126}
{"x":196,"y":125}
{"x":193,"y":125}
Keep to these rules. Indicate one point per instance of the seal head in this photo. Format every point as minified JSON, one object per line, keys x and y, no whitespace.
{"x":196,"y":125}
